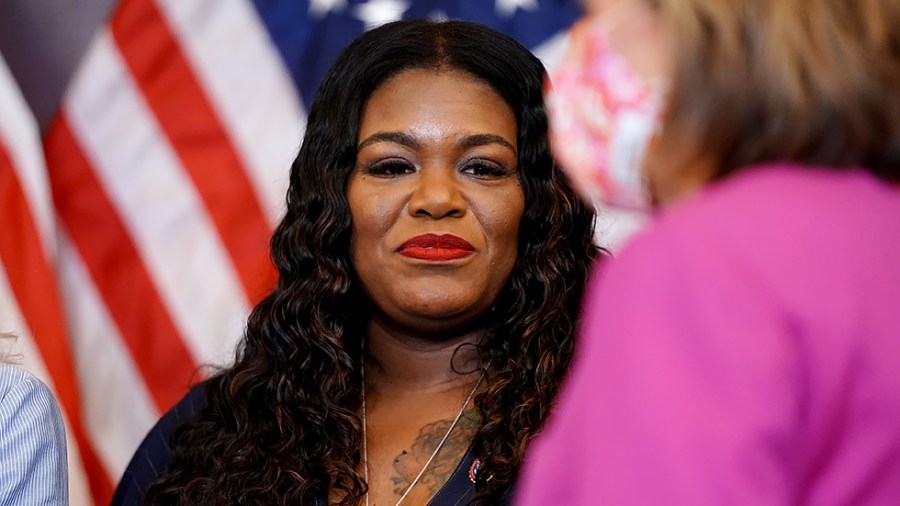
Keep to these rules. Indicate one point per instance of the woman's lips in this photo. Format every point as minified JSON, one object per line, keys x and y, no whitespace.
{"x":436,"y":248}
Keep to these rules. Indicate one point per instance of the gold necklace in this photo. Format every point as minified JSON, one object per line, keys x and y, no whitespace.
{"x":365,"y":454}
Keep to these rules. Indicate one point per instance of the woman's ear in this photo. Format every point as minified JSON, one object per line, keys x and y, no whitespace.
{"x":674,"y":172}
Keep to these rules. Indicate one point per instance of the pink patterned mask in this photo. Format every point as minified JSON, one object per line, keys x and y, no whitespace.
{"x":602,"y":118}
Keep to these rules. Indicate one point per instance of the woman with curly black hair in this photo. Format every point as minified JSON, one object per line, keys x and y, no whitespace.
{"x":431,"y":265}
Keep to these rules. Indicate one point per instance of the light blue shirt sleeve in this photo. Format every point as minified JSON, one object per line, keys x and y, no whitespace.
{"x":33,"y":466}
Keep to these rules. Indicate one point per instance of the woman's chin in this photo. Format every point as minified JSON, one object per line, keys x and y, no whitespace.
{"x":438,"y":321}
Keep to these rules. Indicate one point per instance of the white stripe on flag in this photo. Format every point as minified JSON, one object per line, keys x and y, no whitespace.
{"x":552,"y":51}
{"x":248,"y":84}
{"x":158,"y":204}
{"x":118,"y":408}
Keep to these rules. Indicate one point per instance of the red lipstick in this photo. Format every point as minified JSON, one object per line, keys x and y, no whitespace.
{"x":436,"y":248}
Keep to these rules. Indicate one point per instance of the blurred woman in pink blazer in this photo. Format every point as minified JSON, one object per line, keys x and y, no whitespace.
{"x":745,"y":348}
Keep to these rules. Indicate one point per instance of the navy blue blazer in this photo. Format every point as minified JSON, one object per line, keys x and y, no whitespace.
{"x":154,"y":457}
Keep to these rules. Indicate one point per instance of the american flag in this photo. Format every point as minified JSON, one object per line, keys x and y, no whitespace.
{"x":144,"y":154}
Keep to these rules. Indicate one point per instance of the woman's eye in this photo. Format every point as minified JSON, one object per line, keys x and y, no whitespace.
{"x":482,"y":168}
{"x":390,"y":168}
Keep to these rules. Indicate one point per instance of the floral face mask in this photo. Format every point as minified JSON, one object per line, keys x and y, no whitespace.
{"x":602,"y":118}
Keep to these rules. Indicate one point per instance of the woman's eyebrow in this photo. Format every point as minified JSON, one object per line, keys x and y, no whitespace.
{"x":472,"y":141}
{"x":469,"y":141}
{"x":395,"y":137}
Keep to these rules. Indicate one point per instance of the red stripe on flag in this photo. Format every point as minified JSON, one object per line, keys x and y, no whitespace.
{"x":190,"y":122}
{"x":34,"y":287}
{"x":116,"y":268}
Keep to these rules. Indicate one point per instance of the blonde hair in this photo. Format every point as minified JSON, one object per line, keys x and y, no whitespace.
{"x":809,"y":81}
{"x":5,"y":356}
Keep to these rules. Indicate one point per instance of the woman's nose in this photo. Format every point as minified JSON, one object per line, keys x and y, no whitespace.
{"x":437,"y":194}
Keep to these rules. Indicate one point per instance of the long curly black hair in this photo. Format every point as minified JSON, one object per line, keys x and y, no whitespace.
{"x":281,"y":425}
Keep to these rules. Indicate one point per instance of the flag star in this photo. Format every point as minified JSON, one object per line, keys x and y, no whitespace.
{"x":378,"y":12}
{"x":438,"y":15}
{"x":320,"y":8}
{"x":507,"y":8}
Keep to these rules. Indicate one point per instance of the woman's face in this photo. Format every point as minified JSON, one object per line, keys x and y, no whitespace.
{"x":435,"y":199}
